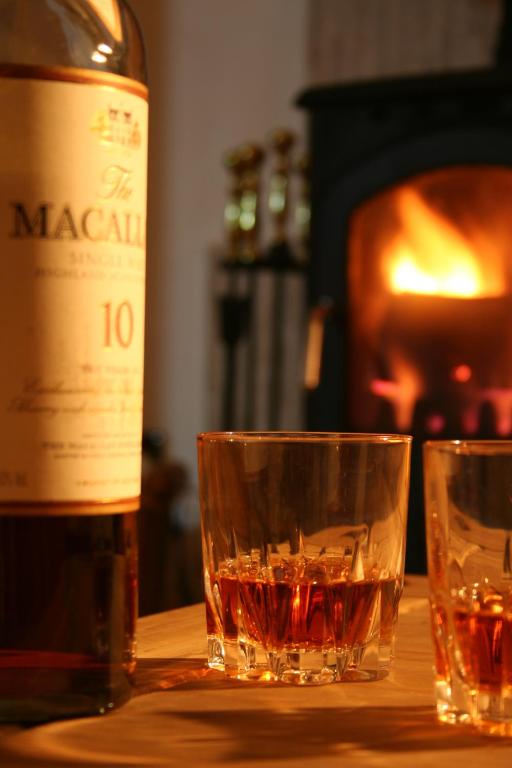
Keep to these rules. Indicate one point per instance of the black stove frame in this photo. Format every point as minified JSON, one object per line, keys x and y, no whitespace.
{"x":365,"y":138}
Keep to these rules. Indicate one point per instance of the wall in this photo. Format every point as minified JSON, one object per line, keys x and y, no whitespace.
{"x":220,"y":73}
{"x":384,"y":38}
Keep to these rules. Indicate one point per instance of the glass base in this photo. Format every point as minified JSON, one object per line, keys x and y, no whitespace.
{"x":489,"y":712}
{"x":249,"y":661}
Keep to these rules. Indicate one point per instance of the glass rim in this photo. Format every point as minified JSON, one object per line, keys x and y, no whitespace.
{"x":470,"y":446}
{"x":302,"y":437}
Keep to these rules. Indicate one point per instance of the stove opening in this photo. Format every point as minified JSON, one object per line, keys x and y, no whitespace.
{"x":430,"y":305}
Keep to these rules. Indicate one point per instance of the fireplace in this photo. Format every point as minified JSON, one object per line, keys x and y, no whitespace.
{"x":411,"y":262}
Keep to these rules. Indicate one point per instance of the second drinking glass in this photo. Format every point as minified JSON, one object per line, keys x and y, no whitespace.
{"x":468,"y":495}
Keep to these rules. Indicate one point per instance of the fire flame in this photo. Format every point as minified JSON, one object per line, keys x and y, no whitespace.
{"x":431,"y":256}
{"x":449,"y":240}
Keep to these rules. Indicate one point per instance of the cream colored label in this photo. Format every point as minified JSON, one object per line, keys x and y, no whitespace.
{"x":72,"y":266}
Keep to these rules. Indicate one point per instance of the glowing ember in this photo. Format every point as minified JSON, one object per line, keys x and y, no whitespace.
{"x":435,"y":423}
{"x":403,"y":392}
{"x":461,"y":373}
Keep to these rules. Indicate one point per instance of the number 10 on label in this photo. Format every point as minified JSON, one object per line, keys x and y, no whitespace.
{"x":118,"y":324}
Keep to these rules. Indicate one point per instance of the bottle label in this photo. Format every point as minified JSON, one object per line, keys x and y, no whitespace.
{"x":73,"y":149}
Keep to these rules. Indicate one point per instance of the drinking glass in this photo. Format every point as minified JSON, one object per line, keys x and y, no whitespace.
{"x":468,"y":495}
{"x":303,"y":546}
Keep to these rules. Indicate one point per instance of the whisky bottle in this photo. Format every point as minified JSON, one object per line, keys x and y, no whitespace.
{"x":73,"y":145}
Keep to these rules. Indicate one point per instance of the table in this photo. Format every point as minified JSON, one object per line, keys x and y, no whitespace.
{"x":183,"y":714}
